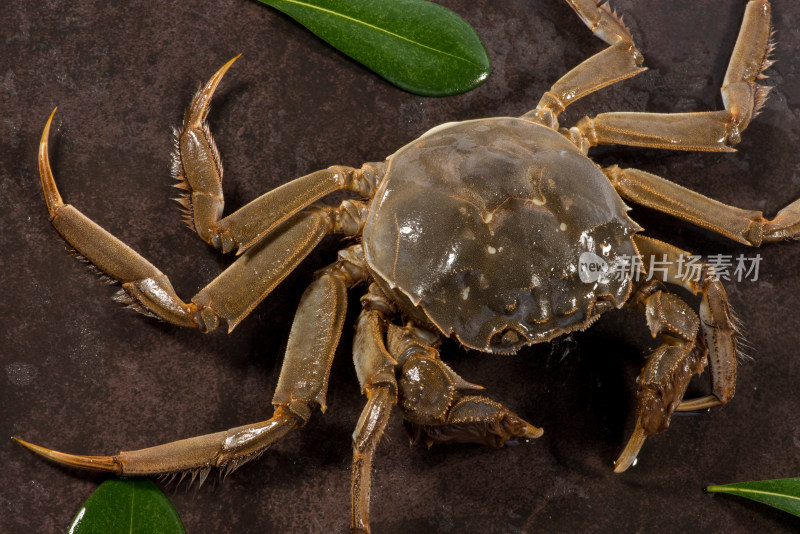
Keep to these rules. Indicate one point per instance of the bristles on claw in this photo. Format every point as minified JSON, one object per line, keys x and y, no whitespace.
{"x":121,"y":296}
{"x":200,"y":475}
{"x":132,"y":303}
{"x":194,"y":121}
{"x":767,"y":62}
{"x":176,"y":162}
{"x":94,"y":269}
{"x":606,"y":6}
{"x":743,"y":346}
{"x":214,"y":150}
{"x":178,"y":173}
{"x":762,"y":91}
{"x":166,"y":478}
{"x":236,"y":463}
{"x":184,"y":201}
{"x":188,"y":214}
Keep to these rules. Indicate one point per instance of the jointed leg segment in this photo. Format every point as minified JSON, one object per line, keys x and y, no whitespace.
{"x":688,"y":345}
{"x":683,"y":353}
{"x":716,"y":131}
{"x":301,"y":388}
{"x":745,"y":226}
{"x":439,"y":406}
{"x":604,"y":23}
{"x":225,"y":450}
{"x":272,"y":232}
{"x":375,"y":368}
{"x":666,"y":374}
{"x":400,"y":365}
{"x":229,"y":298}
{"x":717,"y":323}
{"x":197,"y":167}
{"x":620,"y":61}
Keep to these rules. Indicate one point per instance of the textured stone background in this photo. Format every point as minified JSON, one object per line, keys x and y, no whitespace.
{"x":82,"y":375}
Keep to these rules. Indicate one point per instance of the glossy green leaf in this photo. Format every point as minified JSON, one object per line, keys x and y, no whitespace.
{"x":417,"y":45}
{"x":129,"y":506}
{"x":782,"y":493}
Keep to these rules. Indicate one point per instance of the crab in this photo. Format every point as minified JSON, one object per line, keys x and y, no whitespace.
{"x":478,"y":231}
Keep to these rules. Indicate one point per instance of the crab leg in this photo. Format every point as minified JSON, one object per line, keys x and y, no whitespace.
{"x":197,"y":167}
{"x":604,"y":23}
{"x":429,"y":394}
{"x":375,"y":369}
{"x":618,"y":62}
{"x":232,"y":295}
{"x":666,"y":374}
{"x":302,"y":386}
{"x":745,"y":226}
{"x":366,"y":437}
{"x":705,"y":131}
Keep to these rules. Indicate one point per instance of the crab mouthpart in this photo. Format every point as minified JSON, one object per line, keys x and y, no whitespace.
{"x":508,"y":339}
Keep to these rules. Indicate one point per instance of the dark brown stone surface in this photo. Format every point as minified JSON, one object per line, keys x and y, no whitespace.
{"x":82,"y":375}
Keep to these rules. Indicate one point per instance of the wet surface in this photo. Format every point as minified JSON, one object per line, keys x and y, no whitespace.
{"x":84,"y":376}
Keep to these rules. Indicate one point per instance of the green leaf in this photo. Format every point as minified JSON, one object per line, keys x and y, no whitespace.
{"x":782,"y":493}
{"x":417,"y":45}
{"x":129,"y":506}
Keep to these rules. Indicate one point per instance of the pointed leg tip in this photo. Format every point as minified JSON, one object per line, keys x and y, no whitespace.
{"x":30,"y":446}
{"x":620,"y":467}
{"x":533,"y":432}
{"x":221,"y":72}
{"x":96,"y":463}
{"x":628,"y":456}
{"x":46,"y":131}
{"x":51,"y":194}
{"x":198,"y":110}
{"x":625,"y":460}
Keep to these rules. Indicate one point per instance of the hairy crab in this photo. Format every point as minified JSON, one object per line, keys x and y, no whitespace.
{"x":482,"y":244}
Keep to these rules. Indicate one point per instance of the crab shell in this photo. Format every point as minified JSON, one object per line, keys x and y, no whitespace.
{"x":478,"y":229}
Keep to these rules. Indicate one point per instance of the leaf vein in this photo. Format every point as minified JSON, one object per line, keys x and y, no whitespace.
{"x":133,"y":495}
{"x":378,"y":28}
{"x":722,"y":489}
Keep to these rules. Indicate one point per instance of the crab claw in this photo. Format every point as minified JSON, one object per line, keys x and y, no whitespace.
{"x":475,"y":419}
{"x":96,"y":463}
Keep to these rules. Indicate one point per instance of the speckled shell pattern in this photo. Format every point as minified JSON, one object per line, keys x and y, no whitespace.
{"x":479,"y":226}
